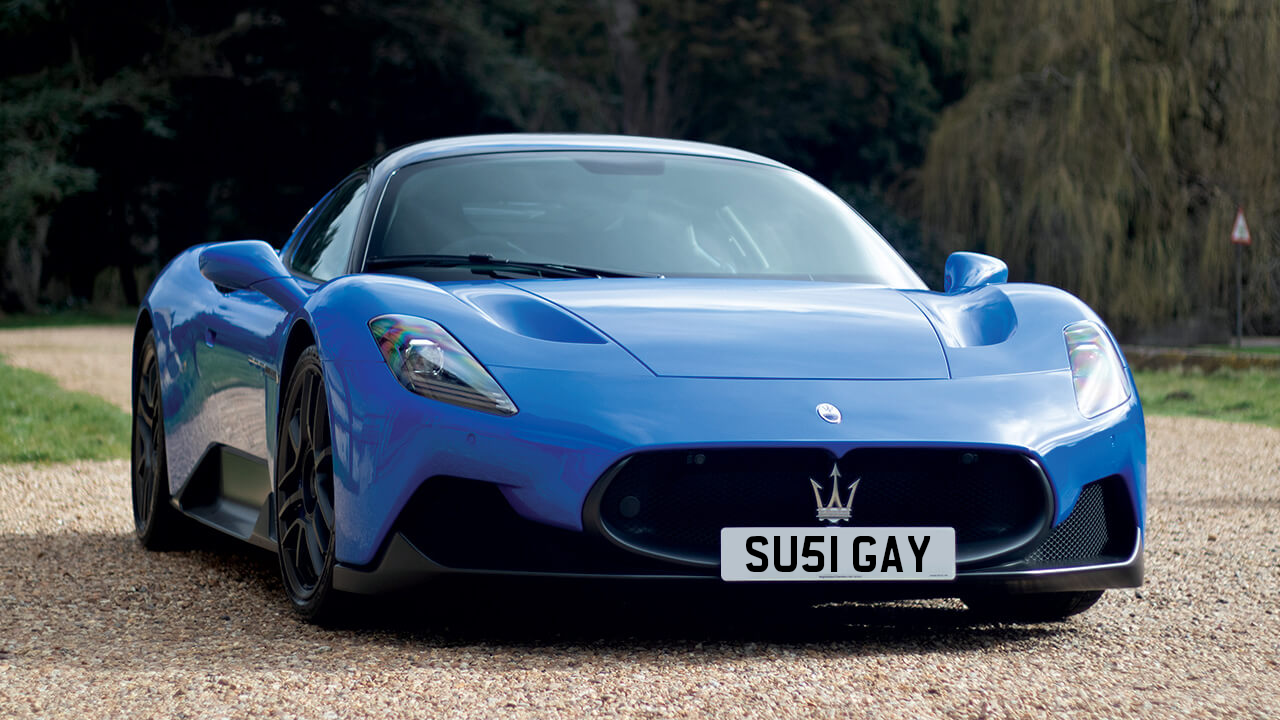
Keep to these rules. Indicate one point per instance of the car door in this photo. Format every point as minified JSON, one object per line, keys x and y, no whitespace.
{"x":241,"y":339}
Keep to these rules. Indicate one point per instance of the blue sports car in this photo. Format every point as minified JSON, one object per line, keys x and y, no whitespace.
{"x":631,"y":358}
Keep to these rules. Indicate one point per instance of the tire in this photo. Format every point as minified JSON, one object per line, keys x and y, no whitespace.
{"x":1031,"y":607}
{"x":304,"y":491}
{"x":157,"y":525}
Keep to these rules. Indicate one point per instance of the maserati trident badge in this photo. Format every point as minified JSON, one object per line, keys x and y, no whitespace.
{"x":829,"y":412}
{"x":833,"y":511}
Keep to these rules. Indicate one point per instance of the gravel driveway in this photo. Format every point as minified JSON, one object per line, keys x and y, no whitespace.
{"x":93,"y":626}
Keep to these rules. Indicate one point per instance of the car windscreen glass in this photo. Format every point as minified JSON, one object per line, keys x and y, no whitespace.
{"x":631,"y":213}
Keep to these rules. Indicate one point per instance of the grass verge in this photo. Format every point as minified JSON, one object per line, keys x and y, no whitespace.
{"x":63,"y":318}
{"x":1259,"y":349}
{"x":44,"y":423}
{"x":1251,"y":396}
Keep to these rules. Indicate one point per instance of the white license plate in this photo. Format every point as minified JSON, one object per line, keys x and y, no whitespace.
{"x":870,"y":553}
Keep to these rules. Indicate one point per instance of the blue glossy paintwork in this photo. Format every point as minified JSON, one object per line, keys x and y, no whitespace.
{"x":240,"y":264}
{"x":757,"y":328}
{"x":251,"y":265}
{"x":969,"y":270}
{"x":603,"y":367}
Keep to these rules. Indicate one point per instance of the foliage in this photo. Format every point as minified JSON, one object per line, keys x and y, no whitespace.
{"x":1234,"y":395}
{"x":1104,"y":146}
{"x":44,"y":423}
{"x":1100,"y":145}
{"x":131,"y":132}
{"x":44,"y":112}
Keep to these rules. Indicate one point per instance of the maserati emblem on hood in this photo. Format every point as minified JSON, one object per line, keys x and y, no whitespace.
{"x":829,"y":412}
{"x":834,"y":511}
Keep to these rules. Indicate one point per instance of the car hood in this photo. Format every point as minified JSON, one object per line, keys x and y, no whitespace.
{"x":756,"y":329}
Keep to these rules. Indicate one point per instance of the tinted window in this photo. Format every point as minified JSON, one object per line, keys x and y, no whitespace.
{"x":643,"y":213}
{"x":323,"y":253}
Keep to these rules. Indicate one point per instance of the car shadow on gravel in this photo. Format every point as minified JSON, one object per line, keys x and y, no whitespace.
{"x":522,"y":614}
{"x":127,"y":602}
{"x":527,"y":612}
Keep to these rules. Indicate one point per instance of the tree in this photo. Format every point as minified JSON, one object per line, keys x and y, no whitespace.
{"x":46,"y":105}
{"x":1104,"y":147}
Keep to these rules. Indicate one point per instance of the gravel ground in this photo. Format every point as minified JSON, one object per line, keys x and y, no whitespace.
{"x":91,"y":625}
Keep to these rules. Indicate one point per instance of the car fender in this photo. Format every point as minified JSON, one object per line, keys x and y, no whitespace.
{"x":1006,"y":328}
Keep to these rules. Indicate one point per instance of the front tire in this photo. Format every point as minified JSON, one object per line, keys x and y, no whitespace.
{"x":304,"y":492}
{"x":155,"y":522}
{"x":1031,"y":607}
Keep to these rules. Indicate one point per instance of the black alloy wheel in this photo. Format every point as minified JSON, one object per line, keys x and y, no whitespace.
{"x":304,"y":492}
{"x":155,"y":522}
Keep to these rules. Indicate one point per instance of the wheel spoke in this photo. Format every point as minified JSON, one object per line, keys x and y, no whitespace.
{"x":304,"y":412}
{"x":313,"y":549}
{"x":295,"y":433}
{"x":143,"y":424}
{"x":288,"y":506}
{"x":299,"y":547}
{"x":143,"y":485}
{"x":325,"y":505}
{"x":147,"y":389}
{"x":291,"y":533}
{"x":289,"y":476}
{"x":318,"y":417}
{"x":144,"y":436}
{"x":157,"y":438}
{"x":323,"y":458}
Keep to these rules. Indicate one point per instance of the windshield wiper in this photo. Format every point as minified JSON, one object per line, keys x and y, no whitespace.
{"x":487,"y":264}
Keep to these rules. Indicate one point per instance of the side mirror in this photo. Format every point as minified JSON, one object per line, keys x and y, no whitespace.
{"x":251,"y":265}
{"x":969,"y":270}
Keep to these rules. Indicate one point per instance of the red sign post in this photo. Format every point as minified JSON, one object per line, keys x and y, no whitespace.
{"x":1240,"y":237}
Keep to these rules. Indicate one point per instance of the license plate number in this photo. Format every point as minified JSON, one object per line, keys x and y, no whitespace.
{"x":870,"y":553}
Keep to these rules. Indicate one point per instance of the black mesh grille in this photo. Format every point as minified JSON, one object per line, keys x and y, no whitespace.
{"x":1097,"y":529}
{"x":674,"y":503}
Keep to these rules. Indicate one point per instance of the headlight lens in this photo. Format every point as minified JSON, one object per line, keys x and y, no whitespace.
{"x":1095,"y":369}
{"x":426,"y":359}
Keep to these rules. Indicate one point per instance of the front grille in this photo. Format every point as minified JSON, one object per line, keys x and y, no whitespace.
{"x":1099,"y":528}
{"x":672,"y":504}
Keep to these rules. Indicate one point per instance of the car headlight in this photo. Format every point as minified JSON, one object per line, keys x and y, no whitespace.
{"x":426,"y":359}
{"x":1096,"y":370}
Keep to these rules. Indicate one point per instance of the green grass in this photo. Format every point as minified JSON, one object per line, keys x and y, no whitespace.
{"x":1251,"y":396}
{"x":1261,"y":349}
{"x":62,"y":318}
{"x":41,"y":422}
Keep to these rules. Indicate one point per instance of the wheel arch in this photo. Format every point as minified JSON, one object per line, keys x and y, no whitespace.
{"x":300,"y":337}
{"x":141,"y":327}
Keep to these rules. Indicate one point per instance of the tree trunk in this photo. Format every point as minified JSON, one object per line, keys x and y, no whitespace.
{"x":128,"y":283}
{"x":620,"y":20}
{"x":24,"y":264}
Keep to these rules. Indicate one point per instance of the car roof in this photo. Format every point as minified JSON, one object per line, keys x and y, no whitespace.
{"x":525,"y":142}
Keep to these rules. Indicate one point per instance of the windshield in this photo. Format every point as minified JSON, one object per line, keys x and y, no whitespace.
{"x":630,"y":213}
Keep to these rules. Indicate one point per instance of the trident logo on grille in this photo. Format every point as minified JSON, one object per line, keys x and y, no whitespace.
{"x":833,"y":511}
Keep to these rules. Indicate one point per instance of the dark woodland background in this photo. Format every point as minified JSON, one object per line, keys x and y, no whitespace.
{"x":1099,"y":145}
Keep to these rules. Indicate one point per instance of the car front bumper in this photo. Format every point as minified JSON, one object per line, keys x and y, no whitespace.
{"x":541,"y":466}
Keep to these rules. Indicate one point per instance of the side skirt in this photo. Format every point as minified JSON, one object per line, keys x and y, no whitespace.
{"x":230,"y":491}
